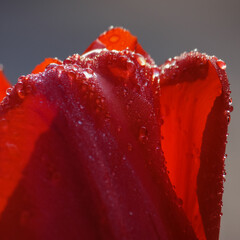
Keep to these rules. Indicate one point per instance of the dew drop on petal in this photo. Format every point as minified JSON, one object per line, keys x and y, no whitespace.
{"x":20,"y":94}
{"x":228,"y":116}
{"x":155,"y":75}
{"x":224,"y":176}
{"x":119,"y":128}
{"x":114,"y":39}
{"x":141,"y":60}
{"x":180,"y":202}
{"x":130,"y":66}
{"x":230,"y":105}
{"x":87,"y":74}
{"x":143,"y":134}
{"x":19,"y":89}
{"x":71,"y":75}
{"x":28,"y":89}
{"x":221,"y":64}
{"x":3,"y":124}
{"x":130,"y":147}
{"x":8,"y":91}
{"x":60,"y":69}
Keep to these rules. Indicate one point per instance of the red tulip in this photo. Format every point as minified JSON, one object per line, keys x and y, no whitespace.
{"x":107,"y":145}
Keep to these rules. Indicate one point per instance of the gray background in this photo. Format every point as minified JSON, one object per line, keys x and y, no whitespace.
{"x":31,"y":31}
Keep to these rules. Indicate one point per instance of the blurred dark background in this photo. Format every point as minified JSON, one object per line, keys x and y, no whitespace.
{"x":31,"y":31}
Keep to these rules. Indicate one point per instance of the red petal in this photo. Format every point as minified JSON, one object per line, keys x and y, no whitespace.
{"x":4,"y":84}
{"x":82,"y":157}
{"x":195,"y":108}
{"x":41,"y":67}
{"x":21,"y":123}
{"x":119,"y":39}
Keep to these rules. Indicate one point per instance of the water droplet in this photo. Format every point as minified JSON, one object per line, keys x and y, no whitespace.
{"x":21,"y":79}
{"x":23,"y":91}
{"x":60,"y":69}
{"x":99,"y":101}
{"x":87,"y":74}
{"x":19,"y":89}
{"x":4,"y":124}
{"x":180,"y":202}
{"x":79,"y":122}
{"x":158,"y":148}
{"x":119,"y":128}
{"x":143,"y":134}
{"x":129,"y":104}
{"x":141,"y":60}
{"x":230,"y":105}
{"x":28,"y":89}
{"x":89,"y":70}
{"x":130,"y":147}
{"x":125,"y":92}
{"x":11,"y":147}
{"x":114,"y":38}
{"x":8,"y":91}
{"x":71,"y":75}
{"x":221,"y":64}
{"x":51,"y":66}
{"x":224,"y":176}
{"x":155,"y":75}
{"x":130,"y":66}
{"x":228,"y":116}
{"x":130,"y":213}
{"x":5,"y":100}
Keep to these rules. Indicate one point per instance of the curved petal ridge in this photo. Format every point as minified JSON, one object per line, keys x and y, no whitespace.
{"x":189,"y":90}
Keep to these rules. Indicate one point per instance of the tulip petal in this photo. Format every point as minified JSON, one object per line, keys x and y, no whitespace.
{"x":88,"y":161}
{"x":119,"y":39}
{"x":4,"y":84}
{"x":20,"y":126}
{"x":195,"y":110}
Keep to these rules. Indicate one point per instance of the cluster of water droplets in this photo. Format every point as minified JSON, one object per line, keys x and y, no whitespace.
{"x":83,"y":79}
{"x":121,"y":66}
{"x":74,"y":59}
{"x":23,"y":87}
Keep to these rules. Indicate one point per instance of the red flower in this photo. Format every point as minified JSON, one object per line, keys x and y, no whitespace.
{"x":107,"y":145}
